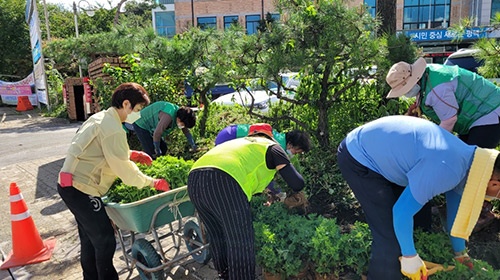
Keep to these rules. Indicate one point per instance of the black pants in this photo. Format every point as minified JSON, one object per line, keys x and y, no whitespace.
{"x":224,"y":209}
{"x":146,"y":140}
{"x":484,"y":136}
{"x":377,"y":198}
{"x":97,"y":238}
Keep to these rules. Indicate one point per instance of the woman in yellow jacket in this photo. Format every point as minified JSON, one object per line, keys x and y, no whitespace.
{"x":99,"y":153}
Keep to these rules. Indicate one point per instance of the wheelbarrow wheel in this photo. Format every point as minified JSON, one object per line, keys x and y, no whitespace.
{"x":145,"y":253}
{"x":192,"y":232}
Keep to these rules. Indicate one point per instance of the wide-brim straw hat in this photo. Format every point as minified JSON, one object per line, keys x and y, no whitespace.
{"x":403,"y":76}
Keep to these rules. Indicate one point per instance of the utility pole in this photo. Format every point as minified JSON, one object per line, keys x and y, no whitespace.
{"x":46,"y":14}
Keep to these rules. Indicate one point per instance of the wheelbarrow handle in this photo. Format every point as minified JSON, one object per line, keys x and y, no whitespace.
{"x":434,"y":267}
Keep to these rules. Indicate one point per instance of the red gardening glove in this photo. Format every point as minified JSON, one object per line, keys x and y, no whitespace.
{"x":140,"y":157}
{"x":464,"y":259}
{"x":161,"y":185}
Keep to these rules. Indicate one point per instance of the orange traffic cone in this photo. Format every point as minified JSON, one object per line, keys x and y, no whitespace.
{"x":23,"y":104}
{"x":27,"y":245}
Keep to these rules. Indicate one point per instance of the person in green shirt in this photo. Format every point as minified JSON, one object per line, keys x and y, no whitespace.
{"x":221,"y":184}
{"x":158,"y":120}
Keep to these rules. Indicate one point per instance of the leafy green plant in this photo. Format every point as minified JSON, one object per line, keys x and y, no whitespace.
{"x":267,"y":248}
{"x":172,"y":169}
{"x":326,"y":247}
{"x":282,"y":241}
{"x":434,"y":246}
{"x":481,"y":271}
{"x":121,"y":193}
{"x":355,"y":251}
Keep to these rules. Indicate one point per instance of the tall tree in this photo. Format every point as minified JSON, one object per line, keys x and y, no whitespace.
{"x":15,"y":49}
{"x":386,"y":10}
{"x":333,"y":47}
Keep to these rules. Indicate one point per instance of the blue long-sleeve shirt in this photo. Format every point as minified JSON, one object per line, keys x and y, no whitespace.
{"x":419,"y":155}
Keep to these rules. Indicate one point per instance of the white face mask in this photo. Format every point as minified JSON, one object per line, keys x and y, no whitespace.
{"x":133,"y":117}
{"x":180,"y":125}
{"x":413,"y":91}
{"x":289,"y":153}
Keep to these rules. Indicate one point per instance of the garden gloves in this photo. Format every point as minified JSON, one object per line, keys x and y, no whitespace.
{"x":297,"y":200}
{"x":414,"y":111}
{"x":413,"y":268}
{"x":140,"y":157}
{"x":158,"y":151}
{"x":161,"y":185}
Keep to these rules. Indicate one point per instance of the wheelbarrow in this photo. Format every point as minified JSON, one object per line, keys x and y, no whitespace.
{"x":168,"y":217}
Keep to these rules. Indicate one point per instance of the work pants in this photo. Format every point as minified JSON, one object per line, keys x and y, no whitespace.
{"x":484,"y":136}
{"x":97,"y":238}
{"x":377,"y":198}
{"x":146,"y":140}
{"x":224,"y":209}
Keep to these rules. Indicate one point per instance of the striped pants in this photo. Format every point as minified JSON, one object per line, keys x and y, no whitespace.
{"x":224,"y":210}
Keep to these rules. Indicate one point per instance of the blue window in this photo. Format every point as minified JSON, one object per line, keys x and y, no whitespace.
{"x":252,"y":22}
{"x":164,"y":2}
{"x":426,"y":14}
{"x":207,"y":22}
{"x":495,"y":7}
{"x":276,"y":17}
{"x":230,"y":20}
{"x":165,"y":23}
{"x":371,"y":5}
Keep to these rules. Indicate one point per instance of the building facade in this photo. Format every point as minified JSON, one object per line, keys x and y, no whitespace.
{"x":179,"y":15}
{"x":425,"y":21}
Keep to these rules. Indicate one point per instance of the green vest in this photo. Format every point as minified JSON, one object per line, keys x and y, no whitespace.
{"x":149,"y":116}
{"x":242,"y":131}
{"x":476,"y":96}
{"x":243,"y":159}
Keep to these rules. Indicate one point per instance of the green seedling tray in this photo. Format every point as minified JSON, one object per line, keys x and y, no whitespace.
{"x":138,"y":216}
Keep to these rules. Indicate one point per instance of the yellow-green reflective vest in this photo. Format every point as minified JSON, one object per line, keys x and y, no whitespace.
{"x":244,"y":159}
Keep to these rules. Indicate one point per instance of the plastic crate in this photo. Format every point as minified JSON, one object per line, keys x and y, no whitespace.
{"x":137,"y":216}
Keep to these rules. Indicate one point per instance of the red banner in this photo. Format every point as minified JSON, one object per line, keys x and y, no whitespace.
{"x":87,"y":90}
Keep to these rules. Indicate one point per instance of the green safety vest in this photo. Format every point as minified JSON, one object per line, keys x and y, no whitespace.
{"x":242,"y":131}
{"x":476,"y":96}
{"x":243,"y":159}
{"x":149,"y":116}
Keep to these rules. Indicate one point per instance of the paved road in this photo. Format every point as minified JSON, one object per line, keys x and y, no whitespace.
{"x":26,"y":137}
{"x":32,"y":150}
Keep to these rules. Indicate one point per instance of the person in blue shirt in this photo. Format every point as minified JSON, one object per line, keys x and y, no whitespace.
{"x":426,"y":160}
